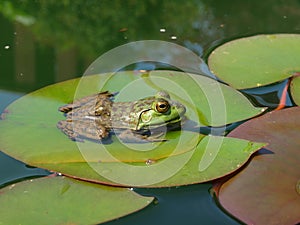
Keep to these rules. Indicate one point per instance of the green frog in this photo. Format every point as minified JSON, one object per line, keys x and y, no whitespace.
{"x":97,"y":116}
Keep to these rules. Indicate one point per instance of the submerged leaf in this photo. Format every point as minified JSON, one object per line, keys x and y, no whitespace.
{"x":265,"y":192}
{"x":256,"y":61}
{"x":61,"y":200}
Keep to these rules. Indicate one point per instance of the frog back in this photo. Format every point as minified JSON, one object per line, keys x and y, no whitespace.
{"x":126,"y":115}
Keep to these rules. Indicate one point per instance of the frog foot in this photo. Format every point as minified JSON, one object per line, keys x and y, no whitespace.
{"x":66,"y":128}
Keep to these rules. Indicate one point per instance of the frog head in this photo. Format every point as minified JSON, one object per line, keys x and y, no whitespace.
{"x":159,"y":111}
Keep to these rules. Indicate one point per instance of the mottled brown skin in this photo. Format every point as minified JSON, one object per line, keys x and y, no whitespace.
{"x":87,"y":117}
{"x":94,"y":117}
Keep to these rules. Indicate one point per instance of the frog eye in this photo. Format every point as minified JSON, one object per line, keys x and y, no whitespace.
{"x":162,"y":106}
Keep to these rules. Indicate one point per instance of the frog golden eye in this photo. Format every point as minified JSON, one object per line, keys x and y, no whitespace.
{"x":162,"y":106}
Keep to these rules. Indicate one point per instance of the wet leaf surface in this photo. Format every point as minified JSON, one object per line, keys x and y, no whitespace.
{"x":214,"y":157}
{"x":266,"y":191}
{"x":61,"y":200}
{"x":256,"y":61}
{"x":32,"y":119}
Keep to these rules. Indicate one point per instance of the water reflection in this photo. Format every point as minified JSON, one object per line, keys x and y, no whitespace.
{"x":48,"y":41}
{"x":54,"y":41}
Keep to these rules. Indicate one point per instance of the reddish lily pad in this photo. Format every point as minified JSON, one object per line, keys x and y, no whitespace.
{"x":267,"y":190}
{"x":256,"y":61}
{"x":61,"y":200}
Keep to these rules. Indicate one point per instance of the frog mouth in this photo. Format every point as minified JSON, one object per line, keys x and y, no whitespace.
{"x":160,"y":122}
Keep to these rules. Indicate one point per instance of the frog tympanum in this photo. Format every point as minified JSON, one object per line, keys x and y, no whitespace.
{"x":97,"y":116}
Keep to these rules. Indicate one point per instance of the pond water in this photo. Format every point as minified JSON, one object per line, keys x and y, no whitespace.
{"x":42,"y":43}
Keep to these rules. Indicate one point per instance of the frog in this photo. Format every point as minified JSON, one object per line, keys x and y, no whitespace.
{"x":96,"y":117}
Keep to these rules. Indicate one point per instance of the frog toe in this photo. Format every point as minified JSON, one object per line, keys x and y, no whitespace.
{"x":66,"y":128}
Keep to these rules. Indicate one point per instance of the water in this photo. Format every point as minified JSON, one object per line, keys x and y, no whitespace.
{"x":190,"y":205}
{"x":65,"y":39}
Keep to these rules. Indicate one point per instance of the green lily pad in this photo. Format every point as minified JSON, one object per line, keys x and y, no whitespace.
{"x":213,"y":158}
{"x":32,"y":119}
{"x":267,"y":190}
{"x":295,"y":89}
{"x":61,"y":200}
{"x":209,"y":102}
{"x":258,"y":60}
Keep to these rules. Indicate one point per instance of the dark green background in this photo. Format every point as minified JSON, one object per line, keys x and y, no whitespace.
{"x":46,"y":41}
